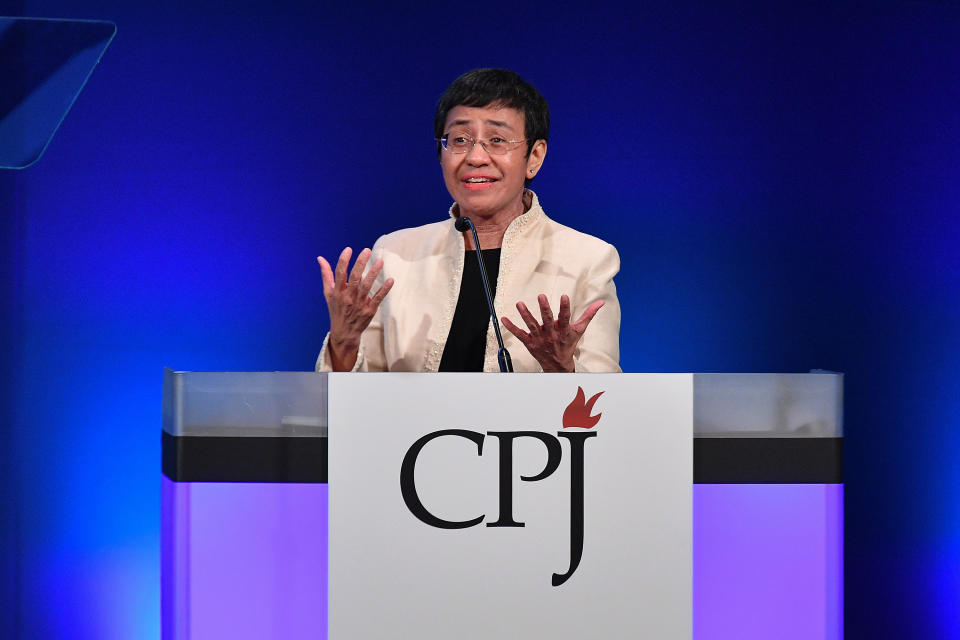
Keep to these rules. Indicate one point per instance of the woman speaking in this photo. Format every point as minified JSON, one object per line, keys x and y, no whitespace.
{"x":421,"y":306}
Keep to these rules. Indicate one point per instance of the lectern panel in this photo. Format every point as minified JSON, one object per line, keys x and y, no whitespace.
{"x":245,"y":506}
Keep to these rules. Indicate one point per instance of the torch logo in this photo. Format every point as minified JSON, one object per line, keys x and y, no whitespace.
{"x":577,"y":413}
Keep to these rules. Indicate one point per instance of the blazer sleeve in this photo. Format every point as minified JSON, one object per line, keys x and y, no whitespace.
{"x":599,"y":349}
{"x":371,"y":355}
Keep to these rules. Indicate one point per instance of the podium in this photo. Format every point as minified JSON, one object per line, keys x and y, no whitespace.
{"x":247,"y":547}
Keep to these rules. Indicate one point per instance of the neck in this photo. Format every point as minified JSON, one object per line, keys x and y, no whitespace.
{"x":491,"y":228}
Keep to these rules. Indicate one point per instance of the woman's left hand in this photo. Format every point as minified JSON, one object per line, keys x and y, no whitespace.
{"x":553,"y":342}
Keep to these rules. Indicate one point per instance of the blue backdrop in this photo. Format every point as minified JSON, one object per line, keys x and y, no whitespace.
{"x":783,"y":185}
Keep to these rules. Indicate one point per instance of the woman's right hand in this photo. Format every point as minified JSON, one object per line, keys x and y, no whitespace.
{"x":350,"y":304}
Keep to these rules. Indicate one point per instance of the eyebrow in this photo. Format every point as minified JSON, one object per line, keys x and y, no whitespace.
{"x":495,"y":123}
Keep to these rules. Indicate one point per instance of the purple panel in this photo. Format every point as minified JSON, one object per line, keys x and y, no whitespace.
{"x":174,"y":543}
{"x":251,"y":564}
{"x":767,"y":562}
{"x":250,"y":561}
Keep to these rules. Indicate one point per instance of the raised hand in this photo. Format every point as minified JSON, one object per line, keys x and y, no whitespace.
{"x":350,"y":304}
{"x":553,"y":342}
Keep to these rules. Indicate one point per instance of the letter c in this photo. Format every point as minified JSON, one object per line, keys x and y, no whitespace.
{"x":409,"y":489}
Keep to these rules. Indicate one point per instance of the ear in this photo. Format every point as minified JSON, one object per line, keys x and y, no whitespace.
{"x":535,"y":159}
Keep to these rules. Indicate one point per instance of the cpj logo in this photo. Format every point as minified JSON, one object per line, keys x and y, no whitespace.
{"x":576,"y":416}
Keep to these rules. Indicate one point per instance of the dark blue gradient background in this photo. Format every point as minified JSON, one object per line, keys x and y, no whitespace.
{"x":783,"y":185}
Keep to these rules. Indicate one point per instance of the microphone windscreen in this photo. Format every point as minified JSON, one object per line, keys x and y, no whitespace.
{"x":462,"y":224}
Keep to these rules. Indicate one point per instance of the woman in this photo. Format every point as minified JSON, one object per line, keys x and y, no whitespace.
{"x":492,"y":129}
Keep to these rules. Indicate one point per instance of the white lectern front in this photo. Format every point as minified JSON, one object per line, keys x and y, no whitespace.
{"x":524,"y":506}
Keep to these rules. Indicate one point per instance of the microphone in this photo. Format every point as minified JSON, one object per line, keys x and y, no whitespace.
{"x":503,"y":356}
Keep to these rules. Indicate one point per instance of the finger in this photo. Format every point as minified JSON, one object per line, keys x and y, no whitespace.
{"x":381,"y":293}
{"x":342,"y":262}
{"x":357,"y":272}
{"x":522,"y":335}
{"x":581,"y":325}
{"x":327,"y":274}
{"x":546,"y":313}
{"x":367,"y":283}
{"x":563,"y":317}
{"x":529,"y":319}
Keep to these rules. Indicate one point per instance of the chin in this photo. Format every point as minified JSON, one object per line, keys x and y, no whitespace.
{"x":479,"y":208}
{"x":486,"y":204}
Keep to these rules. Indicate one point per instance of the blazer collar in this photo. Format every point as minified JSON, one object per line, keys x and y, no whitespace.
{"x":528,"y":217}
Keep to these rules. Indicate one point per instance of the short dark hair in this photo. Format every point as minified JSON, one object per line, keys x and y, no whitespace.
{"x":483,"y":87}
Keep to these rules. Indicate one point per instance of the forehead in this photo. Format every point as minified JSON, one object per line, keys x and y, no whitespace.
{"x":489,"y":116}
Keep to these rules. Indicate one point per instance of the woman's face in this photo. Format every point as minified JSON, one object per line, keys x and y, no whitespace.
{"x":485,"y":185}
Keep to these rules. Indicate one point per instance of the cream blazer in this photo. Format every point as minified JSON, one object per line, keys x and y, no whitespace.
{"x":538,"y":255}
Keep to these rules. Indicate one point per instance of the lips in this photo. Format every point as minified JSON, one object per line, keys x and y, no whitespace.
{"x":478,"y":181}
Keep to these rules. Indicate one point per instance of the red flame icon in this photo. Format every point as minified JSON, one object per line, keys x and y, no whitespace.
{"x":577,"y":413}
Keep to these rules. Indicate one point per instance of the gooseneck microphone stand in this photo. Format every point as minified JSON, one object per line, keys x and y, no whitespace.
{"x":503,"y":356}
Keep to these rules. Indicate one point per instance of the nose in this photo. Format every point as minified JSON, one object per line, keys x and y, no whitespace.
{"x":477,"y":155}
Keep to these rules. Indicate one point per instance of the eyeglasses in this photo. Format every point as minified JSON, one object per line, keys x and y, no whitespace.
{"x":459,"y":142}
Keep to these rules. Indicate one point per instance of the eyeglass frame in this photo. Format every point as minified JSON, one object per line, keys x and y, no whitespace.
{"x":473,"y":142}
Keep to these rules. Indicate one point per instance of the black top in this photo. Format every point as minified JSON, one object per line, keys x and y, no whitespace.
{"x":467,"y":342}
